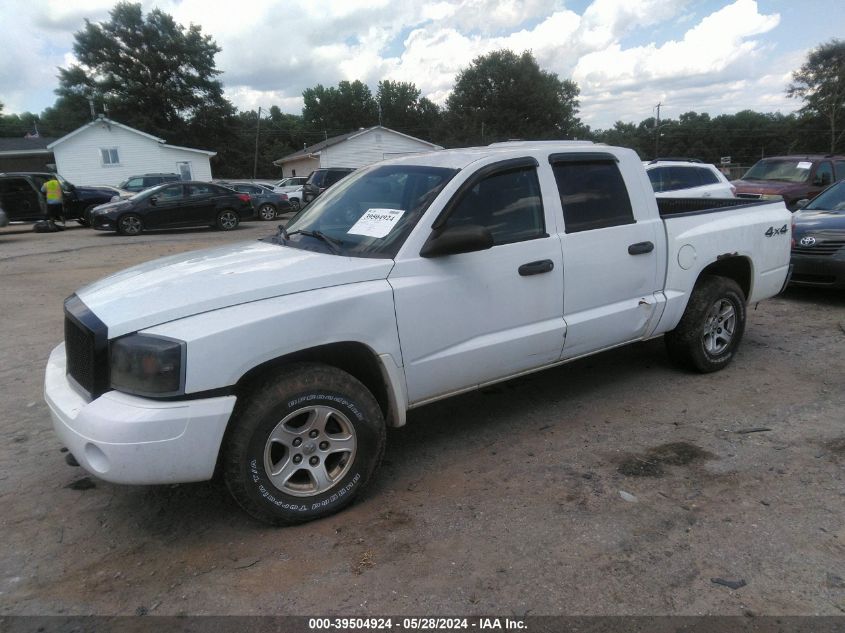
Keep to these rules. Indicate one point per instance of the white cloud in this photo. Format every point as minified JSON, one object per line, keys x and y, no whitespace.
{"x":273,"y":50}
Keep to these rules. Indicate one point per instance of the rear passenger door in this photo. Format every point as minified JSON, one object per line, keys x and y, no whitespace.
{"x":201,"y":203}
{"x":20,"y":200}
{"x":611,"y":257}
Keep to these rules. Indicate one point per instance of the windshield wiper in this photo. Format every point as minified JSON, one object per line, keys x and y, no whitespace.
{"x":335,"y":244}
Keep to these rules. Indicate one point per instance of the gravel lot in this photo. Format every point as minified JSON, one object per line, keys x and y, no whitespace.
{"x":612,"y":485}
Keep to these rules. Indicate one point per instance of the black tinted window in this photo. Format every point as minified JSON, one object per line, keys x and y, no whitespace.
{"x":507,"y":203}
{"x":593,"y":195}
{"x":318,"y":178}
{"x":708,"y":177}
{"x":333,"y":176}
{"x":201,"y":190}
{"x":170,"y":193}
{"x":15,"y":185}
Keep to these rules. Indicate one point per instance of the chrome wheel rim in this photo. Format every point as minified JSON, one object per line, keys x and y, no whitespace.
{"x":310,"y":451}
{"x":719,"y":327}
{"x":267,"y":212}
{"x":130,"y":224}
{"x":228,"y":220}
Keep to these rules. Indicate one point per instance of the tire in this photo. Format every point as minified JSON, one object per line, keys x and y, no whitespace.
{"x":85,"y":218}
{"x":227,"y":220}
{"x":267,"y":211}
{"x":318,"y":415}
{"x":129,"y":224}
{"x":294,"y":204}
{"x":709,"y":332}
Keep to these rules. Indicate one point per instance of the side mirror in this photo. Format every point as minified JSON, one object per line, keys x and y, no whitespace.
{"x":801,"y":204}
{"x":457,"y":239}
{"x":153,"y":201}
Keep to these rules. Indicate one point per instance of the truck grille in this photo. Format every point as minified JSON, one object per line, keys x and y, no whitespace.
{"x":86,"y":346}
{"x":819,"y":249}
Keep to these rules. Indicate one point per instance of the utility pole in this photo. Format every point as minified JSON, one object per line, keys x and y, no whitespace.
{"x":657,"y":131}
{"x":257,"y":128}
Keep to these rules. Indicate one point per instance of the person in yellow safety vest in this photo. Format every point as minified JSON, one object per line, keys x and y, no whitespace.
{"x":52,"y":189}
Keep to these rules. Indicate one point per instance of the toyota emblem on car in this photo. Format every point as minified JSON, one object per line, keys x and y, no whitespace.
{"x":808,"y":241}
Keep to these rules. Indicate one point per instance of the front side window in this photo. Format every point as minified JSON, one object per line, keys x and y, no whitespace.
{"x":508,"y":204}
{"x":824,"y":174}
{"x":708,"y":177}
{"x":832,"y":199}
{"x":109,"y":156}
{"x":195,"y":191}
{"x":370,"y":213}
{"x":840,"y":169}
{"x":135,"y":183}
{"x":592,"y":194}
{"x":170,"y":193}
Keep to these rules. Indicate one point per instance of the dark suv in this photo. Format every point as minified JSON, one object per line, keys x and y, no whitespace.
{"x":322,"y":179}
{"x":20,"y":195}
{"x":793,"y":178}
{"x":145,"y":181}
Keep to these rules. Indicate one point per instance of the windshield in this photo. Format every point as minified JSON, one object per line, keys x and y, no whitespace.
{"x":782,"y":170}
{"x":370,"y":213}
{"x":831,"y":199}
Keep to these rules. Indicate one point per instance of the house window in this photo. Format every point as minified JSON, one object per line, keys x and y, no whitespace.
{"x":109,"y":156}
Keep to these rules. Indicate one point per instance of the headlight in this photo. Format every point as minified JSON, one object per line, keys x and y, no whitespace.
{"x":147,"y":365}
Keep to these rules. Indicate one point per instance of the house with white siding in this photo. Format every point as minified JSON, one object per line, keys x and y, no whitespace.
{"x":355,"y":149}
{"x":105,"y":152}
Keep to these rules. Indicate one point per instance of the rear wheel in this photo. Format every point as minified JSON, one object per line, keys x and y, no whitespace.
{"x":711,"y":328}
{"x":267,"y":211}
{"x":129,"y":224}
{"x":303,"y":445}
{"x":294,"y":204}
{"x":227,"y":220}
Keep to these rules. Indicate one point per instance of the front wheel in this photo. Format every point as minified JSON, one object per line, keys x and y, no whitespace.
{"x":129,"y":224}
{"x":267,"y":211}
{"x":709,"y":332}
{"x":227,"y":220}
{"x":303,"y":445}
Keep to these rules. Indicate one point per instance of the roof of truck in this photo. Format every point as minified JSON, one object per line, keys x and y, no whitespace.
{"x":461,"y":157}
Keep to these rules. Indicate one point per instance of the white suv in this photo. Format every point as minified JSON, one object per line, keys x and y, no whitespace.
{"x":688,"y":179}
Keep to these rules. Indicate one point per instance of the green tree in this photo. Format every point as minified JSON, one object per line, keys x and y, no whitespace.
{"x":339,"y":110}
{"x":820,"y":82}
{"x":402,"y":109}
{"x":504,"y":95}
{"x":148,"y":71}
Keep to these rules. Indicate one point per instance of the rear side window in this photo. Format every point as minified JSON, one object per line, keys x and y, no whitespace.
{"x":508,"y":204}
{"x":201,"y":190}
{"x":15,"y":185}
{"x":708,"y":177}
{"x":333,"y":176}
{"x":824,"y":174}
{"x":840,"y":169}
{"x":593,"y":195}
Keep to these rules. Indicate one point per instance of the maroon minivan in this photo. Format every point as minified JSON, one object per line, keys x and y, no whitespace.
{"x":792,"y":178}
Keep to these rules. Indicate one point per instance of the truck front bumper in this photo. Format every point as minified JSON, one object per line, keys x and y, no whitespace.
{"x":130,"y":440}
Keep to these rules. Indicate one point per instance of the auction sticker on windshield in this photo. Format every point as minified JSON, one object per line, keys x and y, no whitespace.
{"x":804,"y":165}
{"x":376,"y":222}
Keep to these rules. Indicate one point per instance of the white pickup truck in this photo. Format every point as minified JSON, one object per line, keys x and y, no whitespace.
{"x":279,"y":363}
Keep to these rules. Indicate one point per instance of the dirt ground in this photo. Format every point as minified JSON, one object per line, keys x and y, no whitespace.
{"x":612,"y":485}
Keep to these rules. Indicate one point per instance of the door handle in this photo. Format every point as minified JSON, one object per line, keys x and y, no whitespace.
{"x":536,"y":268}
{"x":640,"y":248}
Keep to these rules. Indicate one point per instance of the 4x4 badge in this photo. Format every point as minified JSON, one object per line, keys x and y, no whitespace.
{"x":781,"y":231}
{"x":808,"y":241}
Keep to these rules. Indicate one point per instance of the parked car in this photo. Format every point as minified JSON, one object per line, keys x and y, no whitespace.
{"x":77,"y":200}
{"x":266,"y":202}
{"x":818,"y":240}
{"x":293,"y":187}
{"x":687,"y":179}
{"x":791,"y":178}
{"x":145,"y":181}
{"x":280,"y":363}
{"x":174,"y":205}
{"x":322,"y":179}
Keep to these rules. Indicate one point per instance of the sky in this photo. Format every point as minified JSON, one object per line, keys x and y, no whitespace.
{"x":715,"y":56}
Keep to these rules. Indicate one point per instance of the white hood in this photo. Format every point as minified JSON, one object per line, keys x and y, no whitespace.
{"x":191,"y":283}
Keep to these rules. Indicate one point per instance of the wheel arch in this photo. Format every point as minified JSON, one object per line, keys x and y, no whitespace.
{"x":355,"y":358}
{"x":732,"y":266}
